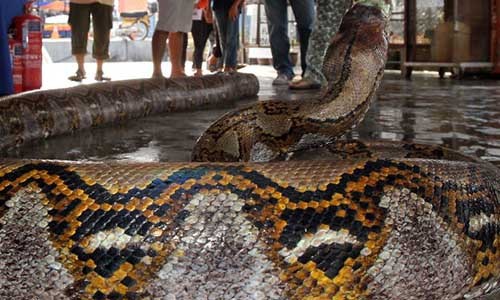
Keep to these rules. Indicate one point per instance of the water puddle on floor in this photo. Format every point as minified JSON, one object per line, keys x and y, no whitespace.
{"x":462,"y":115}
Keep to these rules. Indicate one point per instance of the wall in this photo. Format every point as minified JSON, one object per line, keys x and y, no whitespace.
{"x":59,"y":50}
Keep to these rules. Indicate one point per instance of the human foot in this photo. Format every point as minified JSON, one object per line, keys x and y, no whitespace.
{"x":177,"y":75}
{"x":304,"y":84}
{"x":99,"y":76}
{"x":78,"y":77}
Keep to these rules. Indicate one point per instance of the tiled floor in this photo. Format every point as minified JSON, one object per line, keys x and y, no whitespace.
{"x":463,"y":115}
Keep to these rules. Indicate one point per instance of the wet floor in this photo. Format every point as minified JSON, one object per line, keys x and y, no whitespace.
{"x":463,"y":115}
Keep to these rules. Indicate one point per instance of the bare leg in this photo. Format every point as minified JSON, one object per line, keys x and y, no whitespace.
{"x":175,"y":41}
{"x":99,"y":63}
{"x":198,"y":72}
{"x":99,"y":73}
{"x":80,"y":60}
{"x":158,"y":46}
{"x":80,"y":72}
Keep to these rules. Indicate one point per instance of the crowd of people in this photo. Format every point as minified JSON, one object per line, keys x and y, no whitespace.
{"x":219,"y":19}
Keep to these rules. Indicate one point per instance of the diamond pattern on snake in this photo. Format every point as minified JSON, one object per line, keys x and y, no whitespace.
{"x":354,"y":220}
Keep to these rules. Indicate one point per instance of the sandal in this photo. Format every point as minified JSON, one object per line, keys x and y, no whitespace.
{"x":99,"y":76}
{"x":78,"y":77}
{"x":212,"y":63}
{"x":304,"y":84}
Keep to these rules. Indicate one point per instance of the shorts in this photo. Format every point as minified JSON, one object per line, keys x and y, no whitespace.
{"x":102,"y":22}
{"x":175,"y":15}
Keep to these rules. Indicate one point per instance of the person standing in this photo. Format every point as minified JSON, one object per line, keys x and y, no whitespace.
{"x":227,"y":14}
{"x":80,"y":12}
{"x":202,"y":27}
{"x":214,"y":60}
{"x":330,"y":13}
{"x":8,"y":10}
{"x":277,"y":20}
{"x":174,"y":19}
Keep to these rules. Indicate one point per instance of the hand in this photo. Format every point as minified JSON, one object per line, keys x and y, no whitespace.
{"x":209,"y":17}
{"x":234,"y":11}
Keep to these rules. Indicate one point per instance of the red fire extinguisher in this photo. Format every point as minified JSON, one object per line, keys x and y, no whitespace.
{"x":16,"y":57}
{"x":28,"y":30}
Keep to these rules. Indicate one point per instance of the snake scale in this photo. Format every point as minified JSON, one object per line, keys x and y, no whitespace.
{"x":375,"y":221}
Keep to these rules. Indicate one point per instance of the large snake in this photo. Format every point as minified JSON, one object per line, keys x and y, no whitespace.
{"x":367,"y":224}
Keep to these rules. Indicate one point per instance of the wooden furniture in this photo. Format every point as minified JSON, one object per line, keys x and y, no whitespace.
{"x":469,"y":48}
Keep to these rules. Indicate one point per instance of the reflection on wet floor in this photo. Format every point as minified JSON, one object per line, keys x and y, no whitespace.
{"x":463,"y":115}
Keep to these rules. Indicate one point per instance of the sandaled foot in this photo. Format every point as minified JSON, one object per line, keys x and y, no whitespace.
{"x":174,"y":75}
{"x":230,"y":70}
{"x":212,"y":63}
{"x":157,"y":76}
{"x":304,"y":84}
{"x":99,"y":76}
{"x":78,"y":77}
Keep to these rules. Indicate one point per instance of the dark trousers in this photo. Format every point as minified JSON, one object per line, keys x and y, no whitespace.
{"x":229,"y":36}
{"x":102,"y":22}
{"x":200,"y":31}
{"x":277,"y":21}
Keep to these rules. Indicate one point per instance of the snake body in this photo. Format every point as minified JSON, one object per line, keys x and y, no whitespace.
{"x":41,"y":114}
{"x":353,"y":64}
{"x":373,"y":222}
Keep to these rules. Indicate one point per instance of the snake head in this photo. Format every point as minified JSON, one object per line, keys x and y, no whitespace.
{"x":384,"y":5}
{"x":361,"y":40}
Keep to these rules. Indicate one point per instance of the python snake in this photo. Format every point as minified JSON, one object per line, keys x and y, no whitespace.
{"x":362,"y":225}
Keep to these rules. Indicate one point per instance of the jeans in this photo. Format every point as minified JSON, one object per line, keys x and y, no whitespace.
{"x":229,"y":37}
{"x":277,"y":21}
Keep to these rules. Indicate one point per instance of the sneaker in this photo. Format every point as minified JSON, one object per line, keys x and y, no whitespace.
{"x":282,"y":79}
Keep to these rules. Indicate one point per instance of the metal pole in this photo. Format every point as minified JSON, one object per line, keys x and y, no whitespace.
{"x":258,"y":23}
{"x":243,"y":35}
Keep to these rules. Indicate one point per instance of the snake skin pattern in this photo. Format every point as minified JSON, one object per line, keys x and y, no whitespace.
{"x":42,"y":114}
{"x":270,"y":129}
{"x":358,"y":149}
{"x":375,"y":221}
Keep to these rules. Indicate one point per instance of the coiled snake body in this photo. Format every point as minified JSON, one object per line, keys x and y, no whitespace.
{"x":359,"y":226}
